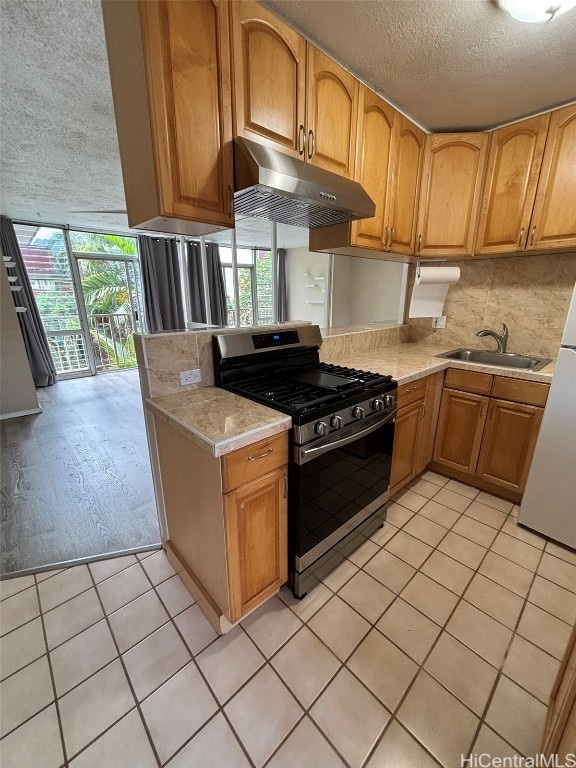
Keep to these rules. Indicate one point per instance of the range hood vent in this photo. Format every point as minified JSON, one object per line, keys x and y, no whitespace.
{"x":271,"y":185}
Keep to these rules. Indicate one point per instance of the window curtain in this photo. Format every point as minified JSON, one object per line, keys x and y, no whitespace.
{"x":35,"y":341}
{"x":215,"y":280}
{"x":282,"y":292}
{"x":161,"y":283}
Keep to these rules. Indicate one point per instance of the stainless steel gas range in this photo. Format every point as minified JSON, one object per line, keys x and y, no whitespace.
{"x":342,"y":438}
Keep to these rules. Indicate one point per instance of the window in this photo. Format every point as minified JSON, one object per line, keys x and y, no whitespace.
{"x":254,"y":276}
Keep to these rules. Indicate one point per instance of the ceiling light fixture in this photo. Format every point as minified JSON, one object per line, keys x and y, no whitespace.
{"x":531,"y":11}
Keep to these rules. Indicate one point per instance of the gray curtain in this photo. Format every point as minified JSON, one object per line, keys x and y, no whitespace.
{"x":282,"y":293}
{"x":35,"y":341}
{"x":215,"y":280}
{"x":161,"y":283}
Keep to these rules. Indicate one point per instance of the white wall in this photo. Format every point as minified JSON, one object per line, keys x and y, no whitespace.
{"x":301,"y":262}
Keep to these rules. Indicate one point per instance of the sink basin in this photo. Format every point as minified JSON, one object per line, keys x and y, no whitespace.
{"x":503,"y":359}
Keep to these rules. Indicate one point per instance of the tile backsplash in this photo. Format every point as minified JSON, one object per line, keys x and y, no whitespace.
{"x":529,"y":293}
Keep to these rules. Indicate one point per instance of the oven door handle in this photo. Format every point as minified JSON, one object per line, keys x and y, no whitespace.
{"x":306,"y":454}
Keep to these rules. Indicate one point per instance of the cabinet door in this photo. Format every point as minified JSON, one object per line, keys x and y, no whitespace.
{"x":454,"y":166}
{"x":405,"y":444}
{"x":256,"y":541}
{"x":510,"y":187}
{"x":428,"y":418}
{"x":376,"y":121}
{"x":508,"y":443}
{"x":269,"y":69}
{"x":190,"y":106}
{"x":554,"y":220}
{"x":460,"y":427}
{"x":331,"y":114}
{"x":407,"y":169}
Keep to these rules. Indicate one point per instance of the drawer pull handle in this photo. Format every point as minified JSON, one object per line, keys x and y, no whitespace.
{"x":285,"y":487}
{"x":261,"y":455}
{"x":422,"y":411}
{"x":412,"y":389}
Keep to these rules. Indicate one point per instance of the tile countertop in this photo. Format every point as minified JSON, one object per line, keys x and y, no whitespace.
{"x":218,"y":421}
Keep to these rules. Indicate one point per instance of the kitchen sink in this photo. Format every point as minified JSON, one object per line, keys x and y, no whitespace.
{"x":503,"y":359}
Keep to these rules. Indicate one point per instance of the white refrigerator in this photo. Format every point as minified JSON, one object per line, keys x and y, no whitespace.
{"x":549,"y":502}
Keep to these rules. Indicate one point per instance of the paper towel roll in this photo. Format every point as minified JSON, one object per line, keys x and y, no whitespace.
{"x":430,"y":289}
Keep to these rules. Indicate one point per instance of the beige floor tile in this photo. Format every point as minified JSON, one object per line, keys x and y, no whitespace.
{"x":196,"y":629}
{"x":174,"y":595}
{"x":104,"y":569}
{"x":512,"y":528}
{"x":214,"y":747}
{"x":18,"y":610}
{"x":383,"y":668}
{"x":154,"y":660}
{"x":306,"y":666}
{"x":364,"y":552}
{"x":439,"y":513}
{"x":340,"y":575}
{"x":482,"y":634}
{"x":507,"y":573}
{"x":20,"y":647}
{"x":271,"y":626}
{"x":474,"y":530}
{"x":409,"y":629}
{"x":148,"y":553}
{"x":398,"y":515}
{"x":486,"y":514}
{"x":544,"y":630}
{"x":518,"y":551}
{"x":462,"y":489}
{"x":367,"y":596}
{"x":407,"y":548}
{"x":229,"y":661}
{"x":72,"y":617}
{"x":9,"y":587}
{"x":177,"y":710}
{"x":157,"y":567}
{"x":447,"y":572}
{"x":36,"y":743}
{"x":465,"y":551}
{"x":434,"y":477}
{"x":382,"y":535}
{"x":264,"y":700}
{"x":466,"y":675}
{"x":306,"y":607}
{"x":93,"y":706}
{"x":339,"y":627}
{"x":426,"y":530}
{"x":48,"y":574}
{"x":24,"y":694}
{"x":137,"y":620}
{"x":411,"y":500}
{"x":397,"y":749}
{"x":438,"y":720}
{"x":81,"y":656}
{"x":517,"y":716}
{"x":454,"y":501}
{"x":430,"y":598}
{"x":65,"y":585}
{"x":489,"y":743}
{"x":556,"y":600}
{"x":122,"y":588}
{"x":554,"y":569}
{"x":125,"y":744}
{"x":564,"y":553}
{"x":424,"y":488}
{"x":305,"y":746}
{"x":351,"y":717}
{"x":389,"y":570}
{"x":494,"y":599}
{"x":531,"y":668}
{"x":495,"y":501}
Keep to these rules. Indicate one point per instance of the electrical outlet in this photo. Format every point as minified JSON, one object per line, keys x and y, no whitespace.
{"x":439,"y":322}
{"x":190,"y":377}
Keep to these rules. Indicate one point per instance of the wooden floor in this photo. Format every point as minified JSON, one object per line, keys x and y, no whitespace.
{"x":76,"y":479}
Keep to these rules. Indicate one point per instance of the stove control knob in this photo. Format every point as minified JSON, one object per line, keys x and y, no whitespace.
{"x":378,"y":404}
{"x":389,"y":401}
{"x":321,"y":428}
{"x":358,"y":412}
{"x":336,"y":422}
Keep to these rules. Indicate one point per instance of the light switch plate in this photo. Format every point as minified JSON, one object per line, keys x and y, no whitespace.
{"x":190,"y":377}
{"x":439,"y":322}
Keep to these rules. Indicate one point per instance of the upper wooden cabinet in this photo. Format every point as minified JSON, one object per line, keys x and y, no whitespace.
{"x":454,"y":167}
{"x":553,"y":222}
{"x":269,"y":71}
{"x":408,"y":156}
{"x":172,"y":99}
{"x":510,"y":187}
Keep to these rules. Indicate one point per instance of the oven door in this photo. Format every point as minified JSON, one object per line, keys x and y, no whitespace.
{"x":337,"y":484}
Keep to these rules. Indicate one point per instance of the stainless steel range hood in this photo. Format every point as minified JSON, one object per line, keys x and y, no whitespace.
{"x":272,"y":185}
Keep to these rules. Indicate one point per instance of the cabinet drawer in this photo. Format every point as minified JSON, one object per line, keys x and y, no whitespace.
{"x":254,"y":461}
{"x":410,"y":393}
{"x":529,"y":392}
{"x":468,"y":381}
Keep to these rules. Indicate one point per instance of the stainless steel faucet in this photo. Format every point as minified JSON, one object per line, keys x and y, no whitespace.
{"x":500,"y":338}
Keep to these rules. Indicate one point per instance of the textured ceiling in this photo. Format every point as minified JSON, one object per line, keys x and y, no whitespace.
{"x":446,"y":63}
